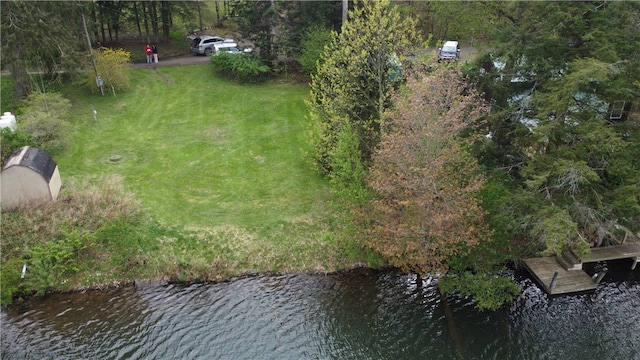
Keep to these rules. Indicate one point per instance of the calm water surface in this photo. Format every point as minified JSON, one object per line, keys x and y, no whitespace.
{"x":358,"y":315}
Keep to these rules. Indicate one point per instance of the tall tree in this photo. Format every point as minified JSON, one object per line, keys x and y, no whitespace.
{"x":354,"y":82}
{"x":218,"y":17}
{"x":153,"y":14}
{"x":41,"y":35}
{"x":257,"y":21}
{"x":276,"y":28}
{"x":165,"y":15}
{"x":303,"y":16}
{"x":136,"y":15}
{"x":536,"y":42}
{"x":550,"y":80}
{"x":426,"y":211}
{"x":580,"y":173}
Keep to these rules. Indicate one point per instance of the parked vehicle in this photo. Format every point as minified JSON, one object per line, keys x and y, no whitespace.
{"x":230,"y":48}
{"x":449,"y":51}
{"x":203,"y":45}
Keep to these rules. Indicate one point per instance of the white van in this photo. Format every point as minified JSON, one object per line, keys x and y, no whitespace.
{"x":450,"y":50}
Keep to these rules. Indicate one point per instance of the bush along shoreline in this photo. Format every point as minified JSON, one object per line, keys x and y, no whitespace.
{"x":96,"y":236}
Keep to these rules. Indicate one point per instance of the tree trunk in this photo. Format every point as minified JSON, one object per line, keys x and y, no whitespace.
{"x":154,"y":20}
{"x":418,"y":281}
{"x":218,"y":21}
{"x":137,"y":16}
{"x":166,"y":20}
{"x":145,"y":15}
{"x":226,"y":6}
{"x":273,"y":27}
{"x":110,"y":32}
{"x":19,"y":73}
{"x":104,"y":36}
{"x":94,"y":25}
{"x":116,"y":30}
{"x":200,"y":14}
{"x":345,"y":11}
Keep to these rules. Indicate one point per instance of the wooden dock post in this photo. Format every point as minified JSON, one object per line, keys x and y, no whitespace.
{"x":598,"y":277}
{"x":554,"y":279}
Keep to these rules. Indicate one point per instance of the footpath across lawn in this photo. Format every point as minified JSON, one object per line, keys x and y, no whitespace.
{"x":222,"y":171}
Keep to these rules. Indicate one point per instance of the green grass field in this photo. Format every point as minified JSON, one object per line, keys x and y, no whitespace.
{"x":229,"y":162}
{"x":201,"y":151}
{"x":222,"y":171}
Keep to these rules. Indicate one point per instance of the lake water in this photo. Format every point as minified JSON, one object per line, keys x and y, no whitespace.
{"x":363,"y":314}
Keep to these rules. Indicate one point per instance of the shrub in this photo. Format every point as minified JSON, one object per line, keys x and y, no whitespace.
{"x":243,"y":68}
{"x":11,"y":141}
{"x":54,"y":237}
{"x":489,"y":291}
{"x":347,"y":178}
{"x":112,"y":66}
{"x":313,"y":43}
{"x":8,"y":100}
{"x":49,"y":263}
{"x":43,"y":119}
{"x":10,"y":280}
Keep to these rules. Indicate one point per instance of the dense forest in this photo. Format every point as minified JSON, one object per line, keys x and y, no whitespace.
{"x":529,"y":147}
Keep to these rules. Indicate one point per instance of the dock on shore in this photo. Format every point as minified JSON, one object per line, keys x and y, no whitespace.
{"x":563,"y":275}
{"x":615,"y":252}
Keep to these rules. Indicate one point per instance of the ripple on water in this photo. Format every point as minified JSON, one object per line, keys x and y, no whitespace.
{"x":358,"y":315}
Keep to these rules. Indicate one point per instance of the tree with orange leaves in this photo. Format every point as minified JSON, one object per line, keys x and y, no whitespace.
{"x":426,"y":211}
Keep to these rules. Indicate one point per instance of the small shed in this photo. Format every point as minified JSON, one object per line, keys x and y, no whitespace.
{"x":29,"y":175}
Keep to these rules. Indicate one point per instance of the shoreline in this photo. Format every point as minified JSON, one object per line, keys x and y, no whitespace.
{"x":171,"y":280}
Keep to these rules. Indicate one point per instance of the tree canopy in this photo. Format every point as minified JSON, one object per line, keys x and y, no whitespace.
{"x":356,"y":76}
{"x":556,"y":70}
{"x":425,"y":211}
{"x":41,"y":35}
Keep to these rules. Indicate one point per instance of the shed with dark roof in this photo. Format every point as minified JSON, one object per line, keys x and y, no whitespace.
{"x":29,"y":175}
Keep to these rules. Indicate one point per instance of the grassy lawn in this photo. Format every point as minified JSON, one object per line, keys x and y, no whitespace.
{"x":227,"y":165}
{"x":223,"y":176}
{"x":200,"y":151}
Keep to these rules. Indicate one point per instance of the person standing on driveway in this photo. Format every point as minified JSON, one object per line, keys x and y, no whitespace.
{"x":149,"y":51}
{"x":154,"y":50}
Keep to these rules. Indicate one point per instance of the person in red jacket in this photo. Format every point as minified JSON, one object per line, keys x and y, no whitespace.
{"x":149,"y":51}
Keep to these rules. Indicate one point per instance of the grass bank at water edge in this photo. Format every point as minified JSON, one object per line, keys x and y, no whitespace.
{"x":218,"y":176}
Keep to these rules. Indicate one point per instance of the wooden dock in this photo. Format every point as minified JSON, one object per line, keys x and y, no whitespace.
{"x":614,"y":252}
{"x":567,"y":281}
{"x":561,"y":275}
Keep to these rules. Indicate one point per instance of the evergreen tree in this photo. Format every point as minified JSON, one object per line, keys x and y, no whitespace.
{"x":45,"y":36}
{"x":552,"y":77}
{"x":258,"y":22}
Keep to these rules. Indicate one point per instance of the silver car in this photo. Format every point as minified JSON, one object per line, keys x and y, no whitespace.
{"x":203,"y":45}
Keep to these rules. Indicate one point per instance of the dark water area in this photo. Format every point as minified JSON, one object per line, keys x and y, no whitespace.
{"x":362,"y":314}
